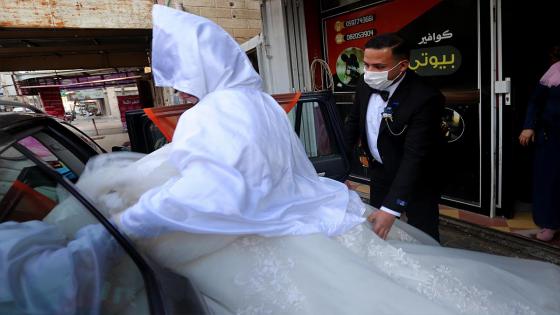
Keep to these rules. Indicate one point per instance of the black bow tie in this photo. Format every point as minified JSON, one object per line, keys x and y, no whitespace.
{"x":384,"y":94}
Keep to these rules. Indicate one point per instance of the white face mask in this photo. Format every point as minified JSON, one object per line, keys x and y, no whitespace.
{"x":379,"y":79}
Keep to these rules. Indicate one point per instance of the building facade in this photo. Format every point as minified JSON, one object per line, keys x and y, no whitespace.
{"x":473,"y":50}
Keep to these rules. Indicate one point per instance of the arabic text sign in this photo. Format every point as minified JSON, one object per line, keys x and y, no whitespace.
{"x":435,"y":61}
{"x":345,"y":37}
{"x":126,"y":103}
{"x":435,"y":37}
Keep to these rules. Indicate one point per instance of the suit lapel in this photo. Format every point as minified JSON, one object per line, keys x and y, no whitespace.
{"x":398,"y":99}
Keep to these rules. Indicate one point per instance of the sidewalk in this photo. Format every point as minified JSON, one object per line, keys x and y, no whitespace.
{"x":106,"y":131}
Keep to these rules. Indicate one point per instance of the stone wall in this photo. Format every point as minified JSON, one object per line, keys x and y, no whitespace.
{"x":241,"y":18}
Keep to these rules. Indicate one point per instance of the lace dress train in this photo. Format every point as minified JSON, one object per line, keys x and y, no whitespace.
{"x":353,"y":273}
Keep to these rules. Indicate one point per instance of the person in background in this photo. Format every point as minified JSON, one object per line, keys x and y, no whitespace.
{"x":542,"y":126}
{"x":398,"y":116}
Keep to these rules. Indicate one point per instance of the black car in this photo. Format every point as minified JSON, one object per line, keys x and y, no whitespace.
{"x":42,"y":157}
{"x":40,"y":160}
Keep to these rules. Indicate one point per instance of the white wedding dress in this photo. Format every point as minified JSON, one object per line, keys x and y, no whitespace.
{"x":353,"y":273}
{"x":234,"y":204}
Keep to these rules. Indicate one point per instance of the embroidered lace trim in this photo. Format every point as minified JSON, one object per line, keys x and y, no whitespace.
{"x":269,"y":279}
{"x":436,"y":282}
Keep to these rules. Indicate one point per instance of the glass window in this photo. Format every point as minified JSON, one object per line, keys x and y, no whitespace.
{"x":157,"y":137}
{"x":314,"y":131}
{"x":56,"y":257}
{"x":84,"y":137}
{"x":55,"y":154}
{"x":45,"y":154}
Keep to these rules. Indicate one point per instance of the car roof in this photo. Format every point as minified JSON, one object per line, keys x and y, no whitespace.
{"x":10,"y":119}
{"x":20,"y":105}
{"x":12,"y":122}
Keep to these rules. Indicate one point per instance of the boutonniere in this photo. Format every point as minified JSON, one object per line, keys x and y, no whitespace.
{"x":388,"y":116}
{"x":388,"y":111}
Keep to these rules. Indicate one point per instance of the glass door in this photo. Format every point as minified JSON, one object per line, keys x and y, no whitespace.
{"x":525,"y":32}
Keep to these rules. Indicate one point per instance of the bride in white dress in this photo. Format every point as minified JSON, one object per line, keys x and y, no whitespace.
{"x":234,"y":204}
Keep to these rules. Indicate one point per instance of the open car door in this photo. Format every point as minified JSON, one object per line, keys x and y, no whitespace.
{"x":319,"y":127}
{"x":313,"y":115}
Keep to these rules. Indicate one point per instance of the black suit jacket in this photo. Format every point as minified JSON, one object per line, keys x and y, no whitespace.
{"x":410,"y":160}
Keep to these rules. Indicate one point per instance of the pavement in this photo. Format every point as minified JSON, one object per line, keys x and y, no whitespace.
{"x":464,"y":235}
{"x":106,"y":131}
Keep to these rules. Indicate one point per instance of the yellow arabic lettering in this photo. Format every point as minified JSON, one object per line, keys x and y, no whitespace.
{"x":415,"y":66}
{"x":434,"y":61}
{"x":420,"y":64}
{"x":452,"y":61}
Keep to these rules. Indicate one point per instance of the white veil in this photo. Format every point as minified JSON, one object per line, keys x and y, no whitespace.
{"x":242,"y":169}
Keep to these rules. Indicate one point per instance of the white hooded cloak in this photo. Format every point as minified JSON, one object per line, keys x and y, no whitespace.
{"x":242,"y":169}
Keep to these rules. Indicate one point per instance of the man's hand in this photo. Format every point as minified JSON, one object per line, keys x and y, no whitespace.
{"x":526,"y":136}
{"x":382,"y":223}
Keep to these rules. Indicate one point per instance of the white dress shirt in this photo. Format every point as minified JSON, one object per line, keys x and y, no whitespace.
{"x":374,"y":116}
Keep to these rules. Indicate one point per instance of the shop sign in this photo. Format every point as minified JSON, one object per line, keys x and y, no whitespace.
{"x":346,"y":34}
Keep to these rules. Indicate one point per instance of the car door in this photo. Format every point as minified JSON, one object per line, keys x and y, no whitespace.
{"x":59,"y":254}
{"x":319,"y":127}
{"x":314,"y":118}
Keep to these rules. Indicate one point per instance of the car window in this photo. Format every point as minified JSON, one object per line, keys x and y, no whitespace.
{"x":54,"y":153}
{"x":314,"y":131}
{"x":96,"y":147}
{"x":56,"y":256}
{"x":33,"y":144}
{"x":158,"y":138}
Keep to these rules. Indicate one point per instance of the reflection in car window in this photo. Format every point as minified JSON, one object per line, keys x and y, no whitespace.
{"x":159,"y":138}
{"x":55,"y":257}
{"x":84,"y":137}
{"x":313,"y":131}
{"x":42,"y":152}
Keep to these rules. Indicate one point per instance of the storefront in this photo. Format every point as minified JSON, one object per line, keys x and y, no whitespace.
{"x":473,"y":50}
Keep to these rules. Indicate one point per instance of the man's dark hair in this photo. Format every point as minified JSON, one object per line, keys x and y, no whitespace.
{"x":398,"y":45}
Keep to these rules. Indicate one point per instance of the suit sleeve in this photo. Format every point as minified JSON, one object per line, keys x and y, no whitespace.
{"x":421,"y":148}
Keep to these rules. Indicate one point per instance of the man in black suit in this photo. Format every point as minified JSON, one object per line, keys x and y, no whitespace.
{"x":398,"y":119}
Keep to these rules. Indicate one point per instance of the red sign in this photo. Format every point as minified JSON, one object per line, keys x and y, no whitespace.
{"x":126,"y":103}
{"x":52,"y":101}
{"x":346,"y":35}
